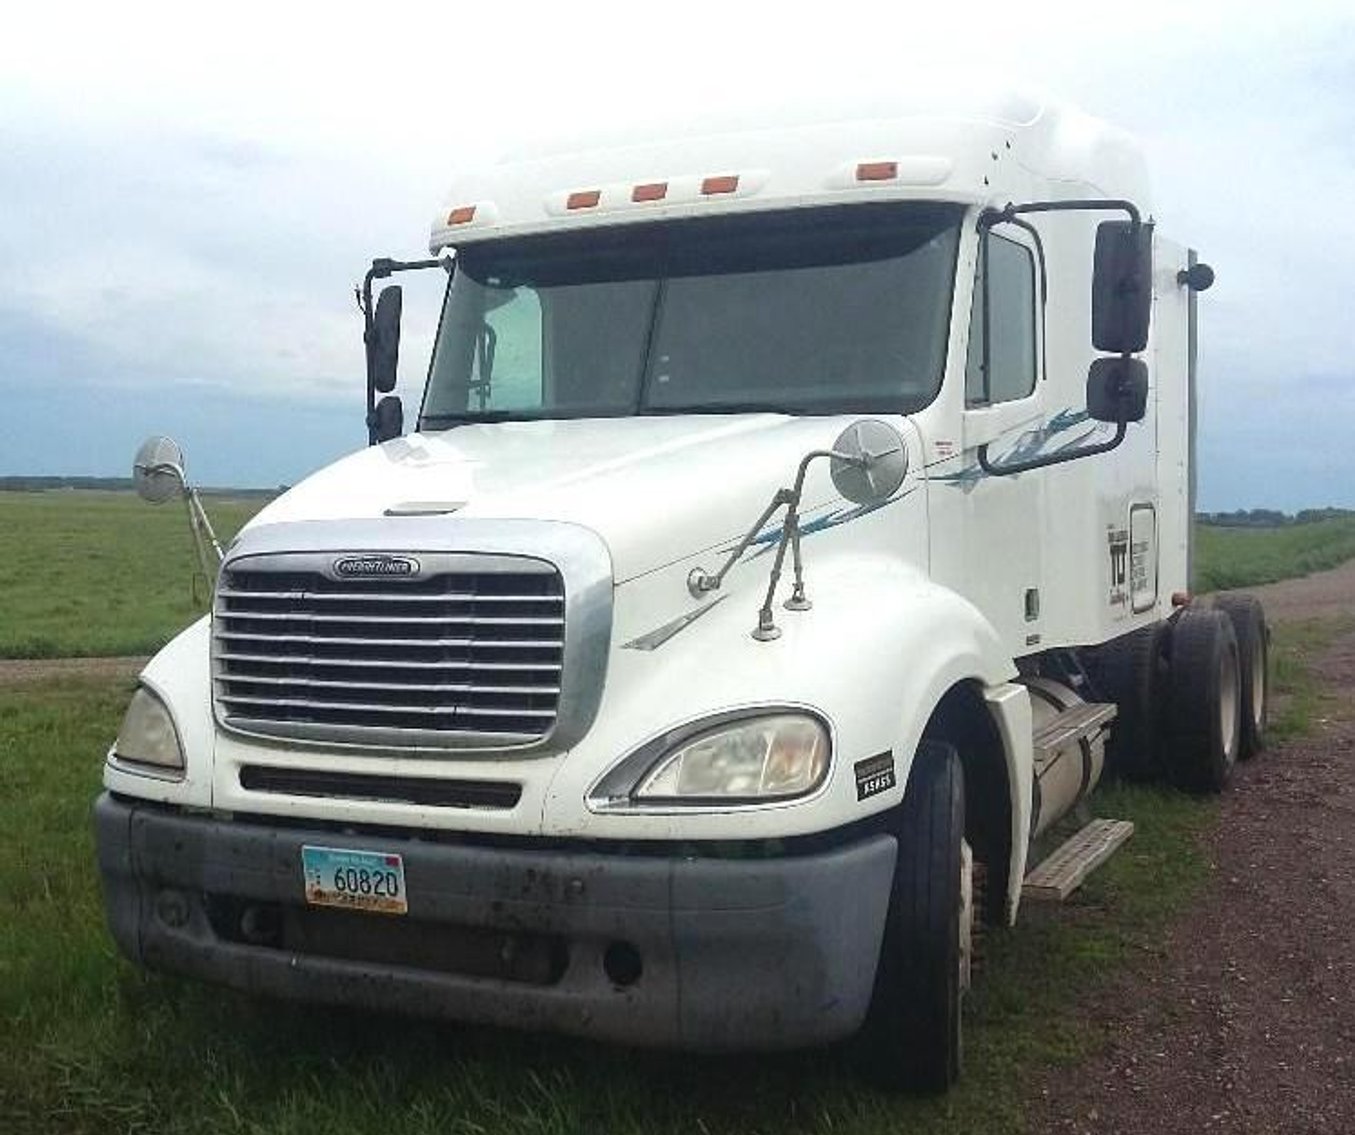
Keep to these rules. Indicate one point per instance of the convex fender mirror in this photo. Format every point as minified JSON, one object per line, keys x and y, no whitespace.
{"x":158,"y":470}
{"x":158,"y":475}
{"x":869,"y":462}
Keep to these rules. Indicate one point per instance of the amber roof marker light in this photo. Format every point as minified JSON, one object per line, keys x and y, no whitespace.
{"x":650,"y":191}
{"x":877,"y":171}
{"x":583,"y":199}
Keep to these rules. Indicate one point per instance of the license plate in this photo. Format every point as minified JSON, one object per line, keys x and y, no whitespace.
{"x":355,"y":880}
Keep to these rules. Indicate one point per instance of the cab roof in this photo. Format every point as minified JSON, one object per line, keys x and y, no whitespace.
{"x":974,"y":146}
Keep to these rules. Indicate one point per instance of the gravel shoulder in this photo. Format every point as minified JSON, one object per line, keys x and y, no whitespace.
{"x":1244,"y":1019}
{"x":1322,"y":595}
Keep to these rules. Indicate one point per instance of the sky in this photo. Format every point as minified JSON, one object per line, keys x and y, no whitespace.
{"x":188,"y":194}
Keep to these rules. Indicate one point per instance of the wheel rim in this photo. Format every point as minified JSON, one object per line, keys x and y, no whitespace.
{"x":1230,"y":691}
{"x":1258,"y":684}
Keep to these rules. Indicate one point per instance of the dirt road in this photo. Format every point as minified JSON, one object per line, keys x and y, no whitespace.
{"x":1325,"y":595}
{"x":27,"y":671}
{"x":1246,"y":1020}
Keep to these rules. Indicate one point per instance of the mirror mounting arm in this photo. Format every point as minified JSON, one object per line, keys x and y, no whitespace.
{"x":1007,"y":469}
{"x":700,"y":582}
{"x":382,"y":268}
{"x":1010,"y":213}
{"x":1011,"y":210}
{"x":202,"y":527}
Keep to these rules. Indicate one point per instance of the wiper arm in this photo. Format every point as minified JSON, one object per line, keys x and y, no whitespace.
{"x":470,"y":418}
{"x":726,"y":408}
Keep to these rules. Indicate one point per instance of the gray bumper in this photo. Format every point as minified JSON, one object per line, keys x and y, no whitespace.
{"x":681,"y":952}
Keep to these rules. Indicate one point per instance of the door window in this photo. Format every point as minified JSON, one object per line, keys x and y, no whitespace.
{"x":1011,"y":325}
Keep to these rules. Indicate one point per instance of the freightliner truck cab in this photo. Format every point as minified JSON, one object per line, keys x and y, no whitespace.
{"x":793,"y":514}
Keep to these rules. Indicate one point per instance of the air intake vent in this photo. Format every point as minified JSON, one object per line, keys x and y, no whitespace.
{"x":434,"y":792}
{"x":447,"y":648}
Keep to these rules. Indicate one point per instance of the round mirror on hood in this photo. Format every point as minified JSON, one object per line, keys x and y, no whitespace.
{"x":870,"y":461}
{"x":157,"y":470}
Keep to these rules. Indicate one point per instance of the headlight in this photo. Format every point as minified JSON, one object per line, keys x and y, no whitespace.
{"x":759,"y":758}
{"x":148,"y":736}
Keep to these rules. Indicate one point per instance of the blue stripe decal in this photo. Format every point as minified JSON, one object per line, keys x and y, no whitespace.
{"x":1048,"y":438}
{"x":766,"y":541}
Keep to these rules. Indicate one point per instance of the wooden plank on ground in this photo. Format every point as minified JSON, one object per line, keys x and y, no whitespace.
{"x":1077,"y":857}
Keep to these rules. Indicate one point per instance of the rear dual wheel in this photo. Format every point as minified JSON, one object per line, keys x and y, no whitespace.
{"x":1131,"y":672}
{"x":1205,"y":700}
{"x":1253,"y":652}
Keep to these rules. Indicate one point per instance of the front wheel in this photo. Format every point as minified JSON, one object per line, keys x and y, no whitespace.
{"x":911,"y":1039}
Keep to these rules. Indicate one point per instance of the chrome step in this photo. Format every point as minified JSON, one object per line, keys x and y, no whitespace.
{"x":1070,"y":725}
{"x":1062,"y":872}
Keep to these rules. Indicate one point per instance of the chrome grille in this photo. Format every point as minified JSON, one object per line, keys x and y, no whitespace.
{"x":470,"y":649}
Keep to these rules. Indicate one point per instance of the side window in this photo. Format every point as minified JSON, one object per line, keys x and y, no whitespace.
{"x":1011,"y":324}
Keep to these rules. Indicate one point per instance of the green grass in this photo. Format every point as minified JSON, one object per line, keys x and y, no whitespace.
{"x":99,"y":572}
{"x":89,"y":1044}
{"x":1297,"y":694}
{"x":1243,"y":557}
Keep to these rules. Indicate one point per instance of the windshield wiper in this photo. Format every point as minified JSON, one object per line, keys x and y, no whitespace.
{"x":727,"y":408}
{"x":470,"y":417}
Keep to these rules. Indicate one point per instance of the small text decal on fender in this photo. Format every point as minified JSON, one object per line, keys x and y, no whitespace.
{"x":874,"y":775}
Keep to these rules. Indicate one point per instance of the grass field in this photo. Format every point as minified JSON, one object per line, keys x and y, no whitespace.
{"x":99,"y":572}
{"x":88,"y":1044}
{"x":102,"y":573}
{"x":1229,"y":558}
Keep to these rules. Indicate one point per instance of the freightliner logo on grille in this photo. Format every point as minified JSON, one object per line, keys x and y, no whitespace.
{"x":375,"y":567}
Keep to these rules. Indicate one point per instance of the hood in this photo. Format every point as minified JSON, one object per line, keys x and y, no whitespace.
{"x":657,"y":489}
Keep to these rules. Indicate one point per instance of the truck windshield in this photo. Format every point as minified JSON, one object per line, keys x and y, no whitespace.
{"x":824,"y":311}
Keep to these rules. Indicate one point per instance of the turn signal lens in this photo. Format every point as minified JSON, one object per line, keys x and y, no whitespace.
{"x":461,"y":215}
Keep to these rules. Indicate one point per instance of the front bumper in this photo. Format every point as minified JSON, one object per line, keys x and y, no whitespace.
{"x":697,"y":953}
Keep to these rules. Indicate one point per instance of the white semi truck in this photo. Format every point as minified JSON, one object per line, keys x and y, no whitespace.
{"x":796,"y":518}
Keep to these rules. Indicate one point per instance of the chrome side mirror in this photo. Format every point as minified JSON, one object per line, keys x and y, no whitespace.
{"x":157,"y":470}
{"x":158,"y":476}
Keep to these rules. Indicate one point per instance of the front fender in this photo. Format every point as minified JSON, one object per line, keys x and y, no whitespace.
{"x":880,"y":647}
{"x":180,"y":675}
{"x":932,"y":640}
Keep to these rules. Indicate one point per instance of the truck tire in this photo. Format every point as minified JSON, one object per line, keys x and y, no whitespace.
{"x":1253,"y":653}
{"x":1129,"y":671}
{"x":911,"y":1038}
{"x":1205,"y":700}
